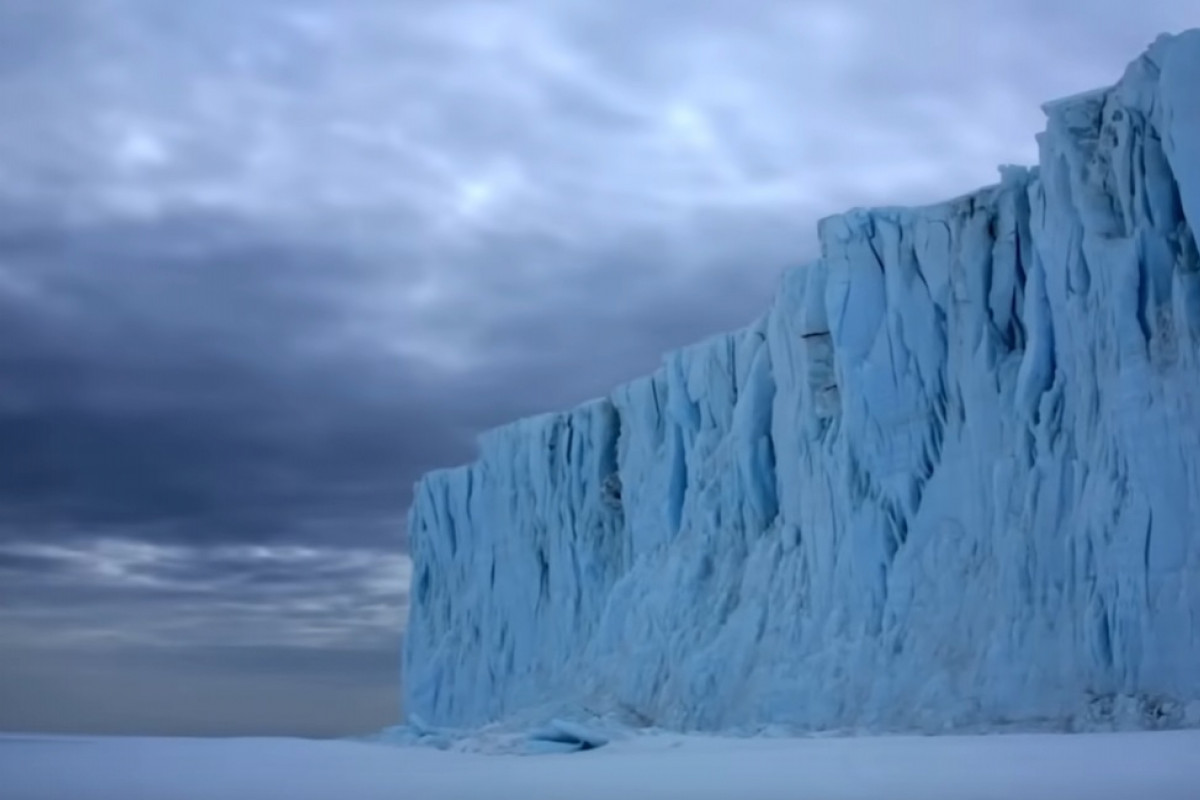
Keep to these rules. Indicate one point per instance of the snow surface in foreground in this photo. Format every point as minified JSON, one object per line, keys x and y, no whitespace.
{"x":1161,"y":765}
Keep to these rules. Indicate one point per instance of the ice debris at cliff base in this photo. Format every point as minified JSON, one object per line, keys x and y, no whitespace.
{"x":522,"y":738}
{"x":950,"y":480}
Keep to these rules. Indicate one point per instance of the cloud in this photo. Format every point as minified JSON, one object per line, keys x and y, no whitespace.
{"x":202,"y":390}
{"x":123,"y":636}
{"x":263,"y":264}
{"x":124,"y":593}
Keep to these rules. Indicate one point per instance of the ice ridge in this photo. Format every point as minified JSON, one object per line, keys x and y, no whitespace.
{"x":950,"y":479}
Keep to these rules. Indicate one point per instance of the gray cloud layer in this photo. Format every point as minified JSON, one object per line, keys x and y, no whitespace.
{"x":262,"y":264}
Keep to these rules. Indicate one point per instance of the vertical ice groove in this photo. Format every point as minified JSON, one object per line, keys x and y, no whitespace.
{"x":951,"y":478}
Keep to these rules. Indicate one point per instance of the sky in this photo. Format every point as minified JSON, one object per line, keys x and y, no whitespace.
{"x":262,"y":264}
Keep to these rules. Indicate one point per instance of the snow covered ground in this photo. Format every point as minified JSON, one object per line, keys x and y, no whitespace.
{"x":1161,"y":765}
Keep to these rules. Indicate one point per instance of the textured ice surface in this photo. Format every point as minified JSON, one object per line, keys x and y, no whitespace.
{"x":951,"y":479}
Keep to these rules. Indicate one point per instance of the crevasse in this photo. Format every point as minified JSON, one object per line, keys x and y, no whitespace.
{"x":950,"y":479}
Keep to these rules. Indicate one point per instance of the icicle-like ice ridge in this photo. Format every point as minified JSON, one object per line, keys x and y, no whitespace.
{"x":951,"y":479}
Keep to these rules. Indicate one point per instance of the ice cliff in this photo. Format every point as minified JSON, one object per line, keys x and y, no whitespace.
{"x":950,"y":479}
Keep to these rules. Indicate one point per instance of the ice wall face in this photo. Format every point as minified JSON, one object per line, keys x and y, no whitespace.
{"x":952,"y":477}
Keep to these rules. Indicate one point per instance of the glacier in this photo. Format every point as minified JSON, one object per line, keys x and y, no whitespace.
{"x":950,"y":480}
